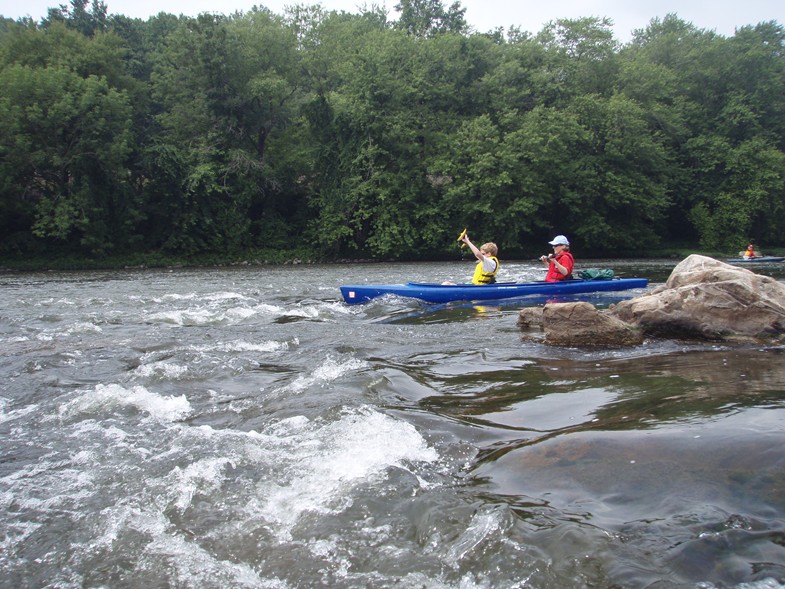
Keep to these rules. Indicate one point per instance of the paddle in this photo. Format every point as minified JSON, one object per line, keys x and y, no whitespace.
{"x":461,"y":236}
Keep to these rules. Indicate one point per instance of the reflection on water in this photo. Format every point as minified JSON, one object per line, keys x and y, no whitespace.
{"x":415,"y":312}
{"x":245,"y":428}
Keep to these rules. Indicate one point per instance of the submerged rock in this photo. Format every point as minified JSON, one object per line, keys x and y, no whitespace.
{"x":577,"y":324}
{"x":702,"y":299}
{"x":530,"y":318}
{"x":581,"y":324}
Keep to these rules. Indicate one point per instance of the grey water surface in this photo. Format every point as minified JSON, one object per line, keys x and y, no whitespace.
{"x":244,"y":427}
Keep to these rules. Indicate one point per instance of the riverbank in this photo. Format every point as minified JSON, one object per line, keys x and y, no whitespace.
{"x":158,"y":260}
{"x":263,"y":257}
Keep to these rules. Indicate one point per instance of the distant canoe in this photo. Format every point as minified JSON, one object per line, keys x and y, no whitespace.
{"x":446,"y":293}
{"x":760,"y":260}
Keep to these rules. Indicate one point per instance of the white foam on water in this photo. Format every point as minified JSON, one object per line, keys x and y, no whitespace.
{"x":186,"y":563}
{"x":211,"y":315}
{"x":287,"y":426}
{"x":78,"y":328}
{"x":162,"y":370}
{"x":185,"y":317}
{"x":193,"y":566}
{"x":307,"y":312}
{"x":238,"y":314}
{"x":243,"y":346}
{"x":295,"y":466}
{"x":191,"y":359}
{"x":225,"y":296}
{"x":321,"y":462}
{"x":176,"y":297}
{"x":82,"y":327}
{"x":484,"y":524}
{"x":327,"y":372}
{"x":107,"y":397}
{"x":115,"y":434}
{"x":55,"y":302}
{"x":106,"y":439}
{"x":6,"y":415}
{"x":266,"y":309}
{"x":213,"y":297}
{"x":117,"y":519}
{"x":52,"y":484}
{"x":338,"y":307}
{"x":84,"y":457}
{"x":768,"y":583}
{"x":15,"y":533}
{"x":203,"y":476}
{"x":317,"y":310}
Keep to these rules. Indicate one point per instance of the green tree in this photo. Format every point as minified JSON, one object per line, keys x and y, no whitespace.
{"x":746,"y":184}
{"x":228,"y":88}
{"x":581,"y":54}
{"x":519,"y":78}
{"x":65,"y":129}
{"x":383,"y":126}
{"x":64,"y":140}
{"x":427,"y":18}
{"x":79,"y":18}
{"x":480,"y":166}
{"x":622,"y":192}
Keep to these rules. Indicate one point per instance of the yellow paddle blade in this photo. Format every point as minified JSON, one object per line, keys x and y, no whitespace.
{"x":461,"y":236}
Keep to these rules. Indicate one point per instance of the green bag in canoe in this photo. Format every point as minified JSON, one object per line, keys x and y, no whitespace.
{"x":596,"y":274}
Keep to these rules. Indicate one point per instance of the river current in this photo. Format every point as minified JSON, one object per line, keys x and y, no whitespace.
{"x":245,"y":428}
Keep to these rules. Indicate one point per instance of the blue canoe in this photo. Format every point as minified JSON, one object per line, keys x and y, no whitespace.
{"x":356,"y":294}
{"x":760,"y":260}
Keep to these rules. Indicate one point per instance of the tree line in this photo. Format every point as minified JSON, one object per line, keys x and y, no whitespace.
{"x":354,"y":135}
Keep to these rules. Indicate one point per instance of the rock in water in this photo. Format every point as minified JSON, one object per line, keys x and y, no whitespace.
{"x":708,"y":299}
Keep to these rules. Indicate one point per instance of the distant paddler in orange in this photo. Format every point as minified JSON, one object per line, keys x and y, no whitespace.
{"x":751,"y":252}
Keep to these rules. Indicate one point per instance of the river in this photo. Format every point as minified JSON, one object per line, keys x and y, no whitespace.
{"x":243,"y":427}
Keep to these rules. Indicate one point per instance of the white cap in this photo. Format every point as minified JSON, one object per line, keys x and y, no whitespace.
{"x":559,"y":240}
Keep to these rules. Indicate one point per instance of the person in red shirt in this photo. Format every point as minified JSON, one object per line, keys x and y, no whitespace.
{"x":560,"y":262}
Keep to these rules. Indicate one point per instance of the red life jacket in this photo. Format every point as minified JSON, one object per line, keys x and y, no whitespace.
{"x":553,"y":274}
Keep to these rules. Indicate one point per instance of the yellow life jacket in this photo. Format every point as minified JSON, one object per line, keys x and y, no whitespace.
{"x":481,"y":277}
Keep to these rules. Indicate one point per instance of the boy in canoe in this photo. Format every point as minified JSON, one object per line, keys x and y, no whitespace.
{"x":487,"y":262}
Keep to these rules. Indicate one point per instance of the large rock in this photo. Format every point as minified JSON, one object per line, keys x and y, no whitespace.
{"x":708,"y":299}
{"x":578,"y":324}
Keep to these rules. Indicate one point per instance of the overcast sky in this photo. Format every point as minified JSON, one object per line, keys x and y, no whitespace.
{"x":721,"y":16}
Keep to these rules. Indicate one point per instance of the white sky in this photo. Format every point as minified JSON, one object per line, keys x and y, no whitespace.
{"x":721,"y":16}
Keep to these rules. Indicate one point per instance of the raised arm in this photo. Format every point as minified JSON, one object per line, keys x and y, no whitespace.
{"x":475,"y":250}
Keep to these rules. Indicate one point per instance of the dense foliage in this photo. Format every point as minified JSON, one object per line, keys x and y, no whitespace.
{"x":355,"y":135}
